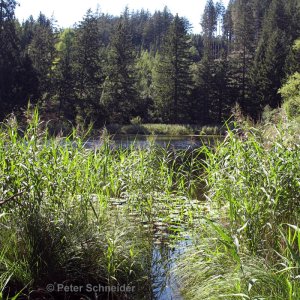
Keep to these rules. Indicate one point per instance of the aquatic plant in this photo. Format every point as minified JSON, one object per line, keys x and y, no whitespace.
{"x":72,"y":214}
{"x":249,"y":248}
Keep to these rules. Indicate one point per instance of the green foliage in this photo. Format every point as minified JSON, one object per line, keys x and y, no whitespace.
{"x":41,"y":50}
{"x":291,"y":96}
{"x":259,"y":185}
{"x":136,"y":121}
{"x":211,"y":268}
{"x":88,"y":69}
{"x":144,"y":84}
{"x":272,"y":53}
{"x":64,"y":74}
{"x":119,"y":96}
{"x":69,"y":213}
{"x":108,"y":69}
{"x":168,"y":129}
{"x":172,"y":80}
{"x":17,"y":78}
{"x":251,"y":248}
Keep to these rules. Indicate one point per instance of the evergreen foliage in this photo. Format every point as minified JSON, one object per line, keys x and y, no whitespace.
{"x":15,"y":87}
{"x":108,"y":69}
{"x":119,"y":96}
{"x":172,"y":79}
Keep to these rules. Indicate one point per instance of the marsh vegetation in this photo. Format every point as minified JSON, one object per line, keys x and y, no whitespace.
{"x":70,"y":214}
{"x":116,"y":216}
{"x":217,"y":220}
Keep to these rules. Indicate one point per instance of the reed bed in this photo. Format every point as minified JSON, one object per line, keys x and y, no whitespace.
{"x":250,"y":249}
{"x":77,"y":215}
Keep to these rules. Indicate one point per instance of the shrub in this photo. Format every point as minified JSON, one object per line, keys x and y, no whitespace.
{"x":291,"y":95}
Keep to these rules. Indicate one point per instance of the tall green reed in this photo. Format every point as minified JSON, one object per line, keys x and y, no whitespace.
{"x":259,"y":184}
{"x":251,"y":250}
{"x":78,"y":214}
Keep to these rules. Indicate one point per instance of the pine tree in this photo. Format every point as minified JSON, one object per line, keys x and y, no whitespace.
{"x":172,"y":77}
{"x":119,"y":96}
{"x":273,"y":49}
{"x":88,"y":69}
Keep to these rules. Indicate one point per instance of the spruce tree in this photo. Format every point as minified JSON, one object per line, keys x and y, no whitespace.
{"x":88,"y":69}
{"x":119,"y":96}
{"x":244,"y":47}
{"x":209,"y":24}
{"x":17,"y":79}
{"x":273,"y":49}
{"x":205,"y":103}
{"x":64,"y":78}
{"x":41,"y":50}
{"x":144,"y":84}
{"x":172,"y":80}
{"x":9,"y":55}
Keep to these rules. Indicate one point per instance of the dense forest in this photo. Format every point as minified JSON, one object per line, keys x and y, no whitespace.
{"x":108,"y":69}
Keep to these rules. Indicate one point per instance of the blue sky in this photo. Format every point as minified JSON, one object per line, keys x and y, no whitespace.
{"x":67,"y":12}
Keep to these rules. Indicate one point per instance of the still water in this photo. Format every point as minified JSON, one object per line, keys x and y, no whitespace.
{"x":144,"y":141}
{"x":164,"y":285}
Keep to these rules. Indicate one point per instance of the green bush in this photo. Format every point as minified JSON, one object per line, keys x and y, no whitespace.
{"x":291,"y":95}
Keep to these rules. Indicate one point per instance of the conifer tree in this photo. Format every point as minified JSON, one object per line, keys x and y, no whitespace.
{"x":17,"y":79}
{"x":63,"y":70}
{"x":172,"y":81}
{"x":88,"y":69}
{"x":273,"y":48}
{"x":244,"y":36}
{"x":9,"y":54}
{"x":206,"y":102}
{"x":119,"y":96}
{"x":144,"y":84}
{"x":41,"y":50}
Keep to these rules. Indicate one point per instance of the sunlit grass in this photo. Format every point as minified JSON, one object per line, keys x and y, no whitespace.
{"x":82,"y":215}
{"x":251,"y":249}
{"x":165,"y":129}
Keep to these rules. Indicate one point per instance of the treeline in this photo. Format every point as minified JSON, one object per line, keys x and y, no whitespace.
{"x":108,"y":69}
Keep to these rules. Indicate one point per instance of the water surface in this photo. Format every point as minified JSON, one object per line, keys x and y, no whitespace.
{"x":144,"y":141}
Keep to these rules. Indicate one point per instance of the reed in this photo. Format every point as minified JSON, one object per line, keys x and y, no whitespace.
{"x":72,"y":214}
{"x":251,"y":249}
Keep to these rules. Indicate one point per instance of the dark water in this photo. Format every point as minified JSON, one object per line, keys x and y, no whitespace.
{"x":144,"y":141}
{"x":164,"y":286}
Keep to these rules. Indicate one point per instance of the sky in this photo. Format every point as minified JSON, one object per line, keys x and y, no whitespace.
{"x":67,"y":12}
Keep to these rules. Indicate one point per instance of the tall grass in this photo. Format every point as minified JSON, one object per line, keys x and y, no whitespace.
{"x":251,"y":250}
{"x":69,"y":214}
{"x":165,"y":129}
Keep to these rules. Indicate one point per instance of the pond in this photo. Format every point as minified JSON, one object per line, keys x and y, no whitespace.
{"x":164,"y":285}
{"x":144,"y":141}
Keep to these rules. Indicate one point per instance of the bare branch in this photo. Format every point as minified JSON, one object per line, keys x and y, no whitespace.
{"x":13,"y":197}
